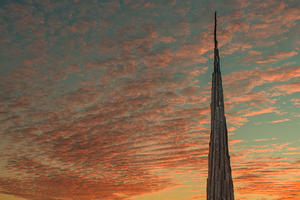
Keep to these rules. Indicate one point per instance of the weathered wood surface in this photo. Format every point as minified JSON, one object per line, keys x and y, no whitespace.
{"x":219,"y":181}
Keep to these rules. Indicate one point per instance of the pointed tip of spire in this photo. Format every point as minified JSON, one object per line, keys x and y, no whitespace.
{"x":215,"y":31}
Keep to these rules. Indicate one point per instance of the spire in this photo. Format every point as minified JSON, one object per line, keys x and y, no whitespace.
{"x":216,"y":50}
{"x":215,"y":31}
{"x":219,"y":181}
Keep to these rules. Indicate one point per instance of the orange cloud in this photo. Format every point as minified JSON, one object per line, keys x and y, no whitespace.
{"x":276,"y":57}
{"x":296,"y":101}
{"x":280,"y":120}
{"x":262,"y":111}
{"x":289,"y":88}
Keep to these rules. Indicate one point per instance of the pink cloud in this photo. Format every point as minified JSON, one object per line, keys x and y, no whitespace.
{"x":262,"y":111}
{"x":296,"y":101}
{"x":232,"y":142}
{"x":280,"y":120}
{"x":289,"y":88}
{"x":236,"y":120}
{"x":246,"y":80}
{"x":233,"y":47}
{"x":276,"y":57}
{"x":265,"y":139}
{"x":167,"y":39}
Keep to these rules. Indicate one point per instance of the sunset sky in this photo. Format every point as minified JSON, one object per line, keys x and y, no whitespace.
{"x":110,"y":99}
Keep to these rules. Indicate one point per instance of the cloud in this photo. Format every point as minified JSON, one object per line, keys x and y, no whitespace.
{"x":280,"y":120}
{"x":276,"y":57}
{"x":246,"y":80}
{"x":233,"y":47}
{"x":261,"y":178}
{"x":87,"y":133}
{"x":289,"y":88}
{"x":296,"y":101}
{"x":264,"y":139}
{"x":260,"y":112}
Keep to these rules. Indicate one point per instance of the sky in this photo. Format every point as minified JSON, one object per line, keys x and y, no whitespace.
{"x":110,"y":99}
